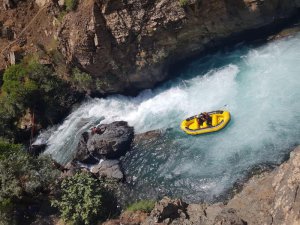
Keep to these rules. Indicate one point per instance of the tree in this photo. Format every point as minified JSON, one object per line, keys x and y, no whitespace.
{"x":30,"y":86}
{"x":81,"y":199}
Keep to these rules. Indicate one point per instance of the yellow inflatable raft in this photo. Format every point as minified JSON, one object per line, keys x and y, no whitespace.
{"x":219,"y":119}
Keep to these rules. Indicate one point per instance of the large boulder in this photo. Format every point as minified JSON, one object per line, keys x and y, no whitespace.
{"x":109,"y":142}
{"x":108,"y":169}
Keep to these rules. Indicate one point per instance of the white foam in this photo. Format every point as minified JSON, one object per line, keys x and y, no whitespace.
{"x":261,"y":89}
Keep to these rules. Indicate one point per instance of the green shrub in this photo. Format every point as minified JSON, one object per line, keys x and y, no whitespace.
{"x":30,"y":85}
{"x":81,"y":199}
{"x":22,"y":175}
{"x":26,"y":174}
{"x":7,"y":148}
{"x":81,"y":80}
{"x":183,"y":3}
{"x":143,"y":205}
{"x":61,"y":16}
{"x":71,"y":5}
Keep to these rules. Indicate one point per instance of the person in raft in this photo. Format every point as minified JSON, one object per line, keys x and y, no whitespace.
{"x":207,"y":118}
{"x":204,"y":117}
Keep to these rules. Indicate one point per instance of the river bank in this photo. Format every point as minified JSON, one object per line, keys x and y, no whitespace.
{"x":269,"y":198}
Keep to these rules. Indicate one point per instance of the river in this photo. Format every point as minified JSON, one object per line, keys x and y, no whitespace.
{"x":259,"y":85}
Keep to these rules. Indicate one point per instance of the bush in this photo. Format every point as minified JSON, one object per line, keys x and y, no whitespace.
{"x":7,"y":148}
{"x":71,"y":5}
{"x":143,"y":205}
{"x":81,"y":199}
{"x":22,"y":175}
{"x":81,"y":80}
{"x":28,"y":175}
{"x":36,"y":87}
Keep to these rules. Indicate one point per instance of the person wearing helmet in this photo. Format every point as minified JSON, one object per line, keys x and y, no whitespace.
{"x":205,"y":117}
{"x":200,"y":119}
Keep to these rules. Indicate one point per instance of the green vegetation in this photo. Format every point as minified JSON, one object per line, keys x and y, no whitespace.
{"x":7,"y":148}
{"x":71,"y":5}
{"x":81,"y":199}
{"x":81,"y":80}
{"x":183,"y":3}
{"x":21,"y":176}
{"x":143,"y":205}
{"x":61,"y":16}
{"x":34,"y":87}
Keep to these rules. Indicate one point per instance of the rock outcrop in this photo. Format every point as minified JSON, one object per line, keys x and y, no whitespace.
{"x":109,"y":169}
{"x":269,"y":198}
{"x":102,"y":147}
{"x":111,"y":141}
{"x":130,"y":45}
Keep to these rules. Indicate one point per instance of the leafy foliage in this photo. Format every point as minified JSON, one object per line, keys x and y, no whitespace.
{"x":71,"y":5}
{"x":143,"y":205}
{"x":7,"y":148}
{"x":21,"y":175}
{"x":183,"y":3}
{"x":81,"y":80}
{"x":81,"y":199}
{"x":33,"y":86}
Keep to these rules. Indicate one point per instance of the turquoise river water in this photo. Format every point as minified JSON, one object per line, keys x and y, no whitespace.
{"x":259,"y":85}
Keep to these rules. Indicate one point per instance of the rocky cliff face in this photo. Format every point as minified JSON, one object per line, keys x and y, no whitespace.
{"x":271,"y":198}
{"x":128,"y":45}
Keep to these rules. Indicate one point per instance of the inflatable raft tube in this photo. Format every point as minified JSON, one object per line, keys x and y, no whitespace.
{"x":219,"y":119}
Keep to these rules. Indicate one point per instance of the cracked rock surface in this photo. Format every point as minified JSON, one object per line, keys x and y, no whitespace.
{"x":129,"y":45}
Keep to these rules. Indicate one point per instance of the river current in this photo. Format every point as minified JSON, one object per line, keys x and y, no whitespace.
{"x":259,"y":85}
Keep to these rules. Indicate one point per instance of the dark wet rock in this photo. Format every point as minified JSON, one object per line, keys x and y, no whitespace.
{"x":82,"y":150}
{"x":108,"y":169}
{"x":111,"y":141}
{"x":37,"y":149}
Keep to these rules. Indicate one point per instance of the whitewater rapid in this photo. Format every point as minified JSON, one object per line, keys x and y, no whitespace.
{"x":259,"y":85}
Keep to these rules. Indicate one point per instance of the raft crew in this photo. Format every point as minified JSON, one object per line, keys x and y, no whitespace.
{"x":204,"y":117}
